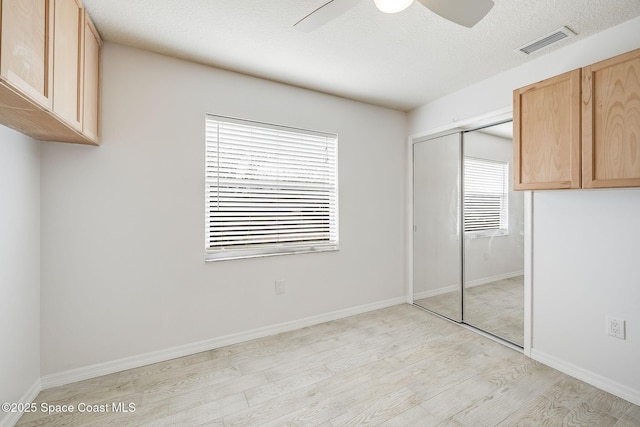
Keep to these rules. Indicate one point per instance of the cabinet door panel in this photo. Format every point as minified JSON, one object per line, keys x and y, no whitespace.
{"x":547,"y":134}
{"x":611,"y":122}
{"x":25,"y":49}
{"x":91,"y":116}
{"x":66,"y":62}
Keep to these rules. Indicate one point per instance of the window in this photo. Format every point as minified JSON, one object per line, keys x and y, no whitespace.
{"x":270,"y":189}
{"x":486,"y":197}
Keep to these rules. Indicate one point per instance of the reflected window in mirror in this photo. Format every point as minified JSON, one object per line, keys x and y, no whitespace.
{"x":486,"y":197}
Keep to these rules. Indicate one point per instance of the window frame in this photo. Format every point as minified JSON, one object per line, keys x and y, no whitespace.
{"x":266,"y":173}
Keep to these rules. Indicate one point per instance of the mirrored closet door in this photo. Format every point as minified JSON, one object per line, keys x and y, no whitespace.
{"x":469,"y":229}
{"x":437,"y":250}
{"x":493,"y":226}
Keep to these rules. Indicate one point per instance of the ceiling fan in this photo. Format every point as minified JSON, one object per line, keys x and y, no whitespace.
{"x":463,"y":12}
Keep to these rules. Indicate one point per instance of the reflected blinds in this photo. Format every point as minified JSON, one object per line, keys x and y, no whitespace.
{"x":486,"y":195}
{"x":269,"y":189}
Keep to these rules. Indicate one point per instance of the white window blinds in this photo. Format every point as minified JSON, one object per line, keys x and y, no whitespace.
{"x":486,"y":196}
{"x":269,"y":189}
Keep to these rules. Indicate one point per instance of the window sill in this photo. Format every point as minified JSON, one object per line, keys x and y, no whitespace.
{"x":265,"y":252}
{"x":485,"y":234}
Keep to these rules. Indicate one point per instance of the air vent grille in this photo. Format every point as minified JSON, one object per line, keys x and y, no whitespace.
{"x":545,"y":41}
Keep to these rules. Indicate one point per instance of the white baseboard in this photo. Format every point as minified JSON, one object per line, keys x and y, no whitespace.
{"x":485,"y":280}
{"x":97,"y":370}
{"x":11,"y":418}
{"x":436,"y":292}
{"x":620,"y":390}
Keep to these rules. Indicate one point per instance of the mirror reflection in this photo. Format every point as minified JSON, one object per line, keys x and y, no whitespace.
{"x":493,"y":226}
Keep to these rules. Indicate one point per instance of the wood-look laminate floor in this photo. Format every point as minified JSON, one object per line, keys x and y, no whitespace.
{"x":398,"y":366}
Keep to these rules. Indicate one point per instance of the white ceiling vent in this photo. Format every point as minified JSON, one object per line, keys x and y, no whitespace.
{"x":544,"y":41}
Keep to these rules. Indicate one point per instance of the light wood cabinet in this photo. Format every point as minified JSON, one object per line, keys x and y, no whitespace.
{"x":546,"y":133}
{"x":580,"y":129}
{"x":26,"y":48}
{"x":49,"y":70}
{"x":611,"y":122}
{"x":67,"y":64}
{"x":91,"y":104}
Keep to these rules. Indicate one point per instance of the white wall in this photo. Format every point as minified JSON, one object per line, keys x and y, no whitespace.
{"x":586,"y":253}
{"x":585,"y":243}
{"x":123,"y":224}
{"x":19,"y":267}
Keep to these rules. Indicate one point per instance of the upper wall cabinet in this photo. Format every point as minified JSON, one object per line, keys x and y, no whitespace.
{"x":26,"y":48}
{"x":91,"y":112}
{"x":611,"y":122}
{"x":49,"y":70}
{"x":546,"y":133}
{"x":580,"y":129}
{"x":67,"y":66}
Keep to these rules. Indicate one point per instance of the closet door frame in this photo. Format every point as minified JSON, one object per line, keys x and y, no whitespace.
{"x":458,"y":126}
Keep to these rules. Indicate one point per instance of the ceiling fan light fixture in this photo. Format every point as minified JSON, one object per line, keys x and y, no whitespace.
{"x":392,"y":6}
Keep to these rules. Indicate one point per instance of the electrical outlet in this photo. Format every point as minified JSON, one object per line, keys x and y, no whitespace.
{"x":280,"y":287}
{"x":615,"y":327}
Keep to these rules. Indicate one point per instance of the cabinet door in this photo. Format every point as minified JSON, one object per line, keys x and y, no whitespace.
{"x":67,"y":66}
{"x":91,"y":116}
{"x":611,"y":122}
{"x":546,"y":134}
{"x":26,"y":48}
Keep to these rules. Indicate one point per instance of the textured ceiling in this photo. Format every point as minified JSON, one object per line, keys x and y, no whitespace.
{"x":399,"y":61}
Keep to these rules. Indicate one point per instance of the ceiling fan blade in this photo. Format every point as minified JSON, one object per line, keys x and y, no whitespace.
{"x":324,"y":14}
{"x":464,"y":12}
